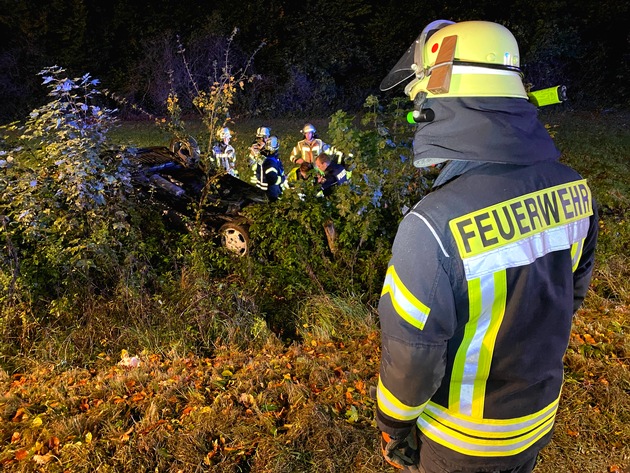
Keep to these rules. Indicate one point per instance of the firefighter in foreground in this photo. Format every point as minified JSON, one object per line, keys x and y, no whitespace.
{"x":487,"y":270}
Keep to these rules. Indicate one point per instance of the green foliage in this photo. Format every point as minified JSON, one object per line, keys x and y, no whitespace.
{"x":363,"y":214}
{"x":63,"y":195}
{"x":597,"y":147}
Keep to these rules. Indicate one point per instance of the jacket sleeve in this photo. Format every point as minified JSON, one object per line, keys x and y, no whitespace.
{"x":296,"y":153}
{"x":584,"y":272}
{"x":327,"y":186}
{"x":417,"y":316}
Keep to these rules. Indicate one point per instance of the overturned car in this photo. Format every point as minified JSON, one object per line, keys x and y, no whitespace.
{"x":172,"y":179}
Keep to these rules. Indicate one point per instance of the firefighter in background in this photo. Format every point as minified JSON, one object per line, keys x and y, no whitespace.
{"x":486,"y":271}
{"x":311,"y":146}
{"x":224,"y":153}
{"x":270,"y":171}
{"x":255,"y":156}
{"x":330,"y":174}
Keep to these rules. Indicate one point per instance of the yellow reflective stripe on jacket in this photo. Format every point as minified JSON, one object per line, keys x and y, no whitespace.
{"x":406,"y":305}
{"x":308,"y":152}
{"x":278,"y":179}
{"x":389,"y":405}
{"x":471,"y":368}
{"x":486,"y":437}
{"x":576,"y":254}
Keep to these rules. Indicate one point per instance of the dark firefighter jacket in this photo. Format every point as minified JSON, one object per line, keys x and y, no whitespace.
{"x":270,"y":176}
{"x":486,"y":273}
{"x":333,"y":175}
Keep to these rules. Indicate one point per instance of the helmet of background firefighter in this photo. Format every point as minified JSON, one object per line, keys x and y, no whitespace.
{"x":308,"y":128}
{"x":272,"y":145}
{"x":263,"y":132}
{"x":224,"y":133}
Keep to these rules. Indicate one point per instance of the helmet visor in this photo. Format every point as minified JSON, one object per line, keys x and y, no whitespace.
{"x":412,"y":62}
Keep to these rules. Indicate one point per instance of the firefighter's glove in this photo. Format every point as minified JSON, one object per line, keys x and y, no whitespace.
{"x":401,"y":453}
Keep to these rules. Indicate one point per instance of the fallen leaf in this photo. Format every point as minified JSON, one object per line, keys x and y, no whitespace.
{"x":19,"y":415}
{"x":85,"y":405}
{"x":125,"y":437}
{"x":16,"y":437}
{"x":247,"y":399}
{"x":21,"y":454}
{"x":53,"y":443}
{"x":42,"y":459}
{"x":138,"y":396}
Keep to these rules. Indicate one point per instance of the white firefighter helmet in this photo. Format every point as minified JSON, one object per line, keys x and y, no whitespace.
{"x":482,"y":56}
{"x":263,"y":132}
{"x":308,"y":128}
{"x":272,"y":145}
{"x":224,"y":133}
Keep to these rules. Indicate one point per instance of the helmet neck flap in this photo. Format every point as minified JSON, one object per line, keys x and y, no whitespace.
{"x":487,"y":129}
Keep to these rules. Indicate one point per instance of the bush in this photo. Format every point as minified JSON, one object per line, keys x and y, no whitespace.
{"x":64,"y":202}
{"x":290,"y":234}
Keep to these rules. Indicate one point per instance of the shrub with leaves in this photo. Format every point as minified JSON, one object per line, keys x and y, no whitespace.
{"x":212,"y":96}
{"x":63,"y":196}
{"x":290,"y":234}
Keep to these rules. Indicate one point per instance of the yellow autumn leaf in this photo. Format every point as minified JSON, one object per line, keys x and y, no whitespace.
{"x":88,"y":437}
{"x":37,"y":421}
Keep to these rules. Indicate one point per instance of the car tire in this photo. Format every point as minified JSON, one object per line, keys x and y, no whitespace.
{"x":235,"y":238}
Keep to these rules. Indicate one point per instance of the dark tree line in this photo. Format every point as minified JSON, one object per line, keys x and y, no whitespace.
{"x":318,"y":55}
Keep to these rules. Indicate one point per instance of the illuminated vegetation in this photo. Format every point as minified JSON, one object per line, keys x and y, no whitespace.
{"x":128,"y":347}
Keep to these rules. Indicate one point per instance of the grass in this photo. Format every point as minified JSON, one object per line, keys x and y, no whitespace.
{"x":217,"y":390}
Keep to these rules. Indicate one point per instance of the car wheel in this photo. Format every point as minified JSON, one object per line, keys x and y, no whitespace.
{"x":235,"y":238}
